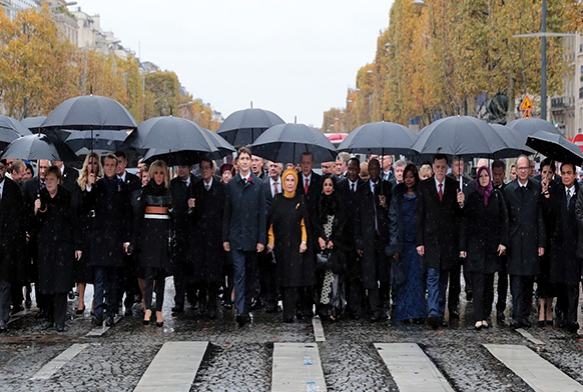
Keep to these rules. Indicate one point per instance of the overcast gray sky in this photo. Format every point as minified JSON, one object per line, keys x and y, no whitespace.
{"x":293,"y":57}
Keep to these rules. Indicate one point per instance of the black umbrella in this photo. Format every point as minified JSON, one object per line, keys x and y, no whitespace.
{"x":285,"y":143}
{"x":381,"y":138}
{"x":90,"y":112}
{"x":39,"y":146}
{"x":528,"y":126}
{"x":96,"y":140}
{"x":7,"y":136}
{"x":463,"y":136}
{"x":33,"y":123}
{"x":243,"y":127}
{"x":13,"y":124}
{"x":555,"y":147}
{"x":179,"y":157}
{"x":513,"y":140}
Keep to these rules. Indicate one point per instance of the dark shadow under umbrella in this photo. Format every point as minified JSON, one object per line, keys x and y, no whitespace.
{"x":555,"y":147}
{"x":285,"y":143}
{"x":33,"y":123}
{"x":13,"y":124}
{"x":97,"y":140}
{"x":39,"y":146}
{"x":381,"y":138}
{"x":7,"y":136}
{"x":528,"y":126}
{"x":243,"y":127}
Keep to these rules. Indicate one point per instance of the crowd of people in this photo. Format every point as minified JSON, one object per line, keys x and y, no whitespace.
{"x":364,"y":239}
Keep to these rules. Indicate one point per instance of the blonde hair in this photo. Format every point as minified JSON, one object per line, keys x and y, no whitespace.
{"x":82,"y":180}
{"x":160,"y":164}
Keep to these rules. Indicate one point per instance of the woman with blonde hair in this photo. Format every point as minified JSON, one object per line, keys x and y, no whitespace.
{"x":91,"y":168}
{"x":152,"y":237}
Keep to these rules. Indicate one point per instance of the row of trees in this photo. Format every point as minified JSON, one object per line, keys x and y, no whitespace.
{"x":442,"y":58}
{"x":39,"y":70}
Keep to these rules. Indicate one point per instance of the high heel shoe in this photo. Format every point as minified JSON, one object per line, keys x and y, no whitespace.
{"x":159,"y":323}
{"x":80,"y":311}
{"x":147,"y":316}
{"x":542,"y":323}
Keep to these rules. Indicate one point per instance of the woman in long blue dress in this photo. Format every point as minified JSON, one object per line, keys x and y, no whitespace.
{"x":409,"y":289}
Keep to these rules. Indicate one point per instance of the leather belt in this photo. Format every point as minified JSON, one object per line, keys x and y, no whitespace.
{"x":156,"y":210}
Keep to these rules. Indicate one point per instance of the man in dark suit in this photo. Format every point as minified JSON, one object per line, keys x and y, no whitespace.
{"x":69,"y":175}
{"x":527,"y":239}
{"x":372,"y":235}
{"x":107,"y":203}
{"x":565,"y":265}
{"x":439,"y":209}
{"x":128,"y":275}
{"x":180,"y":188}
{"x":11,"y":241}
{"x":351,"y":190}
{"x":244,"y":231}
{"x":498,"y":174}
{"x":267,"y":269}
{"x":30,"y":192}
{"x":257,"y":167}
{"x":206,"y":224}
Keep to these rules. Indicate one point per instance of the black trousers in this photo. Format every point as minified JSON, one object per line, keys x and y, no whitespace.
{"x":4,"y":300}
{"x":128,"y":281}
{"x":521,"y":289}
{"x":180,"y":272}
{"x":502,"y":286}
{"x":57,"y":308}
{"x":353,"y":285}
{"x":290,"y":302}
{"x":483,"y":288}
{"x":568,"y":301}
{"x":16,"y":293}
{"x":267,"y":272}
{"x":158,"y":276}
{"x":453,"y":295}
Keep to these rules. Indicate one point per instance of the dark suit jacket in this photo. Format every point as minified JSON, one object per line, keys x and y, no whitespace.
{"x":314,"y":190}
{"x":12,"y":236}
{"x":245,"y":215}
{"x":526,"y":228}
{"x":69,"y":178}
{"x":133,"y":182}
{"x":437,"y":223}
{"x":180,"y":195}
{"x":267,"y":190}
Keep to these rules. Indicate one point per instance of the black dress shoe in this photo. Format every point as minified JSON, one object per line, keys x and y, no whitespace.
{"x":110,"y":322}
{"x":178,"y":309}
{"x":241,"y":320}
{"x":378,"y":316}
{"x":128,"y":312}
{"x":212,"y":313}
{"x":526,"y":324}
{"x":443,"y":323}
{"x":60,"y":328}
{"x":454,"y":314}
{"x":500,"y":315}
{"x":71,"y":295}
{"x":573,"y":327}
{"x":515,"y":323}
{"x":542,"y":323}
{"x":97,"y":321}
{"x":433,"y":321}
{"x":288,"y":320}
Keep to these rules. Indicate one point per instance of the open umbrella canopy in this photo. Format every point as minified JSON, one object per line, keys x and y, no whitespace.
{"x":285,"y":143}
{"x":555,"y":147}
{"x":33,"y":123}
{"x":90,"y":112}
{"x":528,"y":126}
{"x":243,"y":127}
{"x":513,"y":140}
{"x":7,"y":136}
{"x":381,"y":138}
{"x":39,"y":146}
{"x":96,"y":140}
{"x":463,"y":136}
{"x":179,"y":157}
{"x":13,"y":124}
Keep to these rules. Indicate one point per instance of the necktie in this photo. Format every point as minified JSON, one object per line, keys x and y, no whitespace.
{"x":306,"y":185}
{"x":207,"y":186}
{"x":374,"y":203}
{"x":353,"y":187}
{"x":568,"y":197}
{"x":185,"y":184}
{"x":440,"y":192}
{"x":275,"y":189}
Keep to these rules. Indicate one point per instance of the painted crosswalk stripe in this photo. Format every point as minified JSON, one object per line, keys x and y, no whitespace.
{"x":51,"y":368}
{"x":539,"y":374}
{"x":318,"y":329}
{"x":173,"y":368}
{"x":297,"y":367}
{"x":411,"y":368}
{"x":529,"y":336}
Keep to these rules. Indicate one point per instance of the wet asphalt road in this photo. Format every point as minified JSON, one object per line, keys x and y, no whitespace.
{"x":239,"y":359}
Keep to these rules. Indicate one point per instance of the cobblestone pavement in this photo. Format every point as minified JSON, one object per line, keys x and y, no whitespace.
{"x":240,"y":359}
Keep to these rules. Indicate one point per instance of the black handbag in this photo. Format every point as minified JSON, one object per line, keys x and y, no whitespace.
{"x":322,"y":261}
{"x":397,"y":276}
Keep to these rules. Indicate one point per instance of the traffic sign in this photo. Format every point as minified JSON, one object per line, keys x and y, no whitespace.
{"x":526,"y":104}
{"x":527,"y":114}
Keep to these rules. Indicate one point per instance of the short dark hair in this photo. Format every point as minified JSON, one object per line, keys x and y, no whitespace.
{"x":208,"y":160}
{"x":121,"y":154}
{"x":549,"y":162}
{"x":307,"y":153}
{"x":355,"y":160}
{"x":499,"y":165}
{"x":438,"y":157}
{"x":572,"y":165}
{"x":244,"y":150}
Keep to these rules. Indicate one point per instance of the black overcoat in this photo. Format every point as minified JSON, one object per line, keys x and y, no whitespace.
{"x":563,"y":234}
{"x":374,"y":266}
{"x":208,"y":255}
{"x":437,"y":223}
{"x":108,"y":205}
{"x":12,"y":233}
{"x":483,"y":228}
{"x":152,"y":237}
{"x":526,"y":229}
{"x":341,"y":234}
{"x":293,"y":269}
{"x":59,"y":235}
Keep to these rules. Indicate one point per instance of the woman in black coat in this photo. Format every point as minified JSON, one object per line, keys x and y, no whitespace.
{"x":483,"y":239}
{"x":331,"y":227}
{"x":59,"y":244}
{"x":152,"y":237}
{"x":288,"y":237}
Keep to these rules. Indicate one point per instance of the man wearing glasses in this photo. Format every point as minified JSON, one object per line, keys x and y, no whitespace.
{"x":527,"y":239}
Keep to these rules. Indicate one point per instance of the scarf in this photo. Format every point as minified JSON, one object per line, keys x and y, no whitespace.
{"x":487,"y":190}
{"x":287,"y":172}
